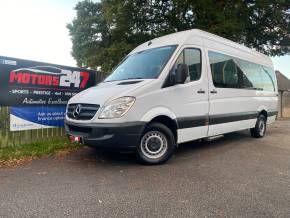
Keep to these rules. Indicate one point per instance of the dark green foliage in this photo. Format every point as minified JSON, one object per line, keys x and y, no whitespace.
{"x":104,"y":32}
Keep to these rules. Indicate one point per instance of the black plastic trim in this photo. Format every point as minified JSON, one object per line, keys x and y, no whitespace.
{"x":87,"y":112}
{"x":129,"y":82}
{"x":121,"y":136}
{"x":272,"y":113}
{"x":227,"y":118}
{"x":189,"y":122}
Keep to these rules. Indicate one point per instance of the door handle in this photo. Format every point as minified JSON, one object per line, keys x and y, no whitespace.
{"x":213,"y":92}
{"x":201,"y":91}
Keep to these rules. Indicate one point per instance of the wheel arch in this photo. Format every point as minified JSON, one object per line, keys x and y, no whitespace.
{"x":265,"y":113}
{"x":158,"y":111}
{"x":263,"y":110}
{"x":168,"y":122}
{"x":162,"y":115}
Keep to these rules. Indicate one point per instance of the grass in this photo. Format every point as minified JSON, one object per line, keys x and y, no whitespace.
{"x":35,"y":150}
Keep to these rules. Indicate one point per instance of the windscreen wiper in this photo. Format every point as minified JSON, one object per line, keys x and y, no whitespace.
{"x":134,"y":78}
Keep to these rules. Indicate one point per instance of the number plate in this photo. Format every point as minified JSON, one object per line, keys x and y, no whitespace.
{"x":77,"y":139}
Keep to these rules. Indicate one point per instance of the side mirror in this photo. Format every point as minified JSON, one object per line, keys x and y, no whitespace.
{"x":181,"y":73}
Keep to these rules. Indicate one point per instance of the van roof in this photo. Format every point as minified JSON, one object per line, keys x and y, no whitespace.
{"x":209,"y":41}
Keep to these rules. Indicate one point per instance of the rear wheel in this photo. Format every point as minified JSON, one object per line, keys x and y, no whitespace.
{"x":260,"y":128}
{"x":157,"y":144}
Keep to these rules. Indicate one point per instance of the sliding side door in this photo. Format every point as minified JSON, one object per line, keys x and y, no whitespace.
{"x":233,"y":105}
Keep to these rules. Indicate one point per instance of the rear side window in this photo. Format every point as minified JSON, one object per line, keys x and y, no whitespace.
{"x":251,"y":74}
{"x":231,"y":72}
{"x":224,"y":71}
{"x":191,"y":57}
{"x":269,"y":79}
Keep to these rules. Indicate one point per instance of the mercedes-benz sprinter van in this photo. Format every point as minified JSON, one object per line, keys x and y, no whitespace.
{"x":173,"y":89}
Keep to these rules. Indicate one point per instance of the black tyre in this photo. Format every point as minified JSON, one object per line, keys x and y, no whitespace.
{"x":157,"y":144}
{"x":261,"y":126}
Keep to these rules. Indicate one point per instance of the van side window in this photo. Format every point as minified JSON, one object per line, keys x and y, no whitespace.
{"x":231,"y":72}
{"x":256,"y":76}
{"x":191,"y":57}
{"x":269,"y":82}
{"x":251,"y":74}
{"x":224,"y":71}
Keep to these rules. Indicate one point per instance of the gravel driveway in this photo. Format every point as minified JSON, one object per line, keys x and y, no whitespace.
{"x":235,"y":176}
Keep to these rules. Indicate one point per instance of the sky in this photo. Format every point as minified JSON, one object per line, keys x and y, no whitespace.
{"x":36,"y":30}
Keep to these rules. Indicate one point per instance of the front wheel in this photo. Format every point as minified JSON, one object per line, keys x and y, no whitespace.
{"x":157,"y":144}
{"x":260,"y":129}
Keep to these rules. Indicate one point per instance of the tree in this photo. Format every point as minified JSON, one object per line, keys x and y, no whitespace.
{"x":104,"y":32}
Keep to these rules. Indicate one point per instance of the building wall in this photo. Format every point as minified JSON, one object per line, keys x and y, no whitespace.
{"x":285,"y":112}
{"x":279,"y":105}
{"x":284,"y":95}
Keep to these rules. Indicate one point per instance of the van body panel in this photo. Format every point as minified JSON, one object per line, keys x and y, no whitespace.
{"x":107,"y":90}
{"x":271,"y":119}
{"x":213,"y":44}
{"x":156,"y":112}
{"x":219,"y":129}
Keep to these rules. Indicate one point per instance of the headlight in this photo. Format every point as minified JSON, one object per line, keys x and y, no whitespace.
{"x":117,"y":108}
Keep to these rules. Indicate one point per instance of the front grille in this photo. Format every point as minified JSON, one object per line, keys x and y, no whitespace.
{"x":84,"y":112}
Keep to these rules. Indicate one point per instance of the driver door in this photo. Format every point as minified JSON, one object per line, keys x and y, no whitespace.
{"x":191,"y":104}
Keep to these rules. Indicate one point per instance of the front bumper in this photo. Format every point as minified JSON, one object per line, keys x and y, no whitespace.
{"x":117,"y":136}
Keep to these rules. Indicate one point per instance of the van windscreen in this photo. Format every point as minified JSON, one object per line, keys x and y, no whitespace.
{"x":145,"y":64}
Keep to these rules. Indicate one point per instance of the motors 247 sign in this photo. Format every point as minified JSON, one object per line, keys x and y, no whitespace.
{"x":31,"y":83}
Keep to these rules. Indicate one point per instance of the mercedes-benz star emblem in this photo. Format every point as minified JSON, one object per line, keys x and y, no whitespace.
{"x":77,"y":111}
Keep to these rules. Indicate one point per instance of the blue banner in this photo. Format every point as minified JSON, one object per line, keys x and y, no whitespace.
{"x":36,"y":117}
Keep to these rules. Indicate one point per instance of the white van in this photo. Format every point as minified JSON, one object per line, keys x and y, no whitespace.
{"x":174,"y":89}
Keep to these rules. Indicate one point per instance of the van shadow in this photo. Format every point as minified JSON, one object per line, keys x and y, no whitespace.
{"x":129,"y":158}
